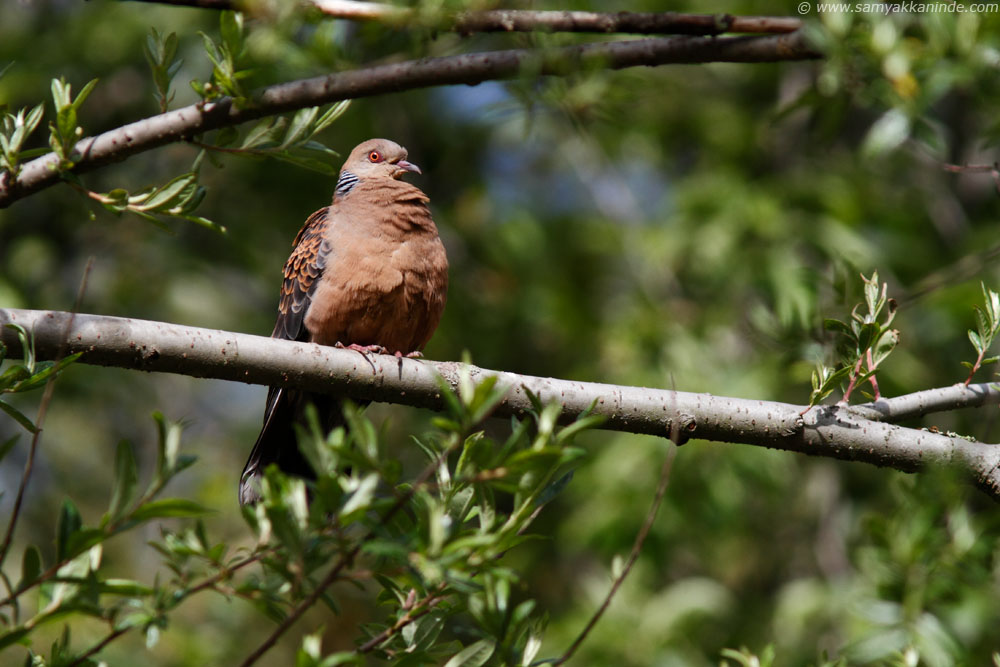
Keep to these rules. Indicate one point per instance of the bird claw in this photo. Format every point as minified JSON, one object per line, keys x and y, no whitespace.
{"x":363,"y":349}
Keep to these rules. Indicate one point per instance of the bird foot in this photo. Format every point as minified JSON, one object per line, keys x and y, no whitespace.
{"x":416,"y":354}
{"x":363,"y":349}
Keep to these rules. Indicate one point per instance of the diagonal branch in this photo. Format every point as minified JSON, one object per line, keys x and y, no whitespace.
{"x":839,"y":432}
{"x":523,"y":20}
{"x":473,"y":68}
{"x":526,"y":20}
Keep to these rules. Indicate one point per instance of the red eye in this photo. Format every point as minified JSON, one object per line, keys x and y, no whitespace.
{"x":375,"y":156}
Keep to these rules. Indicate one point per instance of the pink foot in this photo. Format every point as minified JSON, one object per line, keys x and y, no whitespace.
{"x":363,"y":349}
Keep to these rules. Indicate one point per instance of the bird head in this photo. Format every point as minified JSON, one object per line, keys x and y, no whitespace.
{"x":379,"y":158}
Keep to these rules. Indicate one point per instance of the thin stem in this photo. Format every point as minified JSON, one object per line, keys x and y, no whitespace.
{"x":854,"y":380}
{"x":418,"y":610}
{"x":211,"y":582}
{"x":348,"y":558}
{"x":640,"y":539}
{"x":975,"y":367}
{"x":43,"y":410}
{"x":871,"y":368}
{"x":99,"y":646}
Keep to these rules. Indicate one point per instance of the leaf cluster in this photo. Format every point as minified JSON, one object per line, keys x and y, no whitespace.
{"x":987,"y":326}
{"x":225,"y":55}
{"x":432,"y":544}
{"x":74,"y":584}
{"x":178,"y":198}
{"x":863,"y":343}
{"x":293,"y":141}
{"x":160,"y":51}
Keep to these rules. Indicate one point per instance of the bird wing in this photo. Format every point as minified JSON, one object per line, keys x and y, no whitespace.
{"x":302,"y":271}
{"x":276,"y":442}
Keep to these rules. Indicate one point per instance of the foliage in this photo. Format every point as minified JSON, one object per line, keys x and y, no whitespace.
{"x":862,"y":345}
{"x":673,"y":226}
{"x":987,"y":326}
{"x":430,"y":548}
{"x":26,"y":376}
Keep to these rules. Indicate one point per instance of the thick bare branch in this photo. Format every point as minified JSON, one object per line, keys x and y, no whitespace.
{"x":832,"y":431}
{"x":472,"y":68}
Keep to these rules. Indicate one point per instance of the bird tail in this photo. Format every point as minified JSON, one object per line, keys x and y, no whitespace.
{"x":277,"y":441}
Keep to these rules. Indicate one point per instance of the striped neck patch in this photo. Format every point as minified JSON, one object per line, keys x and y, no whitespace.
{"x":346,"y":181}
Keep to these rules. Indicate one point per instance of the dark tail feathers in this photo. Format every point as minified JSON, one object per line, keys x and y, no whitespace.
{"x":277,"y":442}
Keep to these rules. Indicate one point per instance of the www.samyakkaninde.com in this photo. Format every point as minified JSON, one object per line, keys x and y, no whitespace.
{"x":898,"y":7}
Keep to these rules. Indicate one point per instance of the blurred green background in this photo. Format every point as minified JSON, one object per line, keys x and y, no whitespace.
{"x":685,"y":226}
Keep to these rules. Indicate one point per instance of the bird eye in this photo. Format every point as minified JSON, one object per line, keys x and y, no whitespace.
{"x":375,"y":156}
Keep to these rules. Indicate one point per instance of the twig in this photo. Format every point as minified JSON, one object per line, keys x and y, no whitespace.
{"x":640,"y":539}
{"x":421,"y":608}
{"x":472,"y":68}
{"x":99,"y":646}
{"x":43,"y":409}
{"x":991,"y":169}
{"x":210,"y":582}
{"x":348,"y":558}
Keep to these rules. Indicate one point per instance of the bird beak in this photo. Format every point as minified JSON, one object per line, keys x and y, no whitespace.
{"x":408,"y":166}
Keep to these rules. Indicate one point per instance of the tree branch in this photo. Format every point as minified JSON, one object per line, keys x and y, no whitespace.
{"x":520,"y":20}
{"x":473,"y":68}
{"x":525,"y":20}
{"x":929,"y":401}
{"x":840,"y":432}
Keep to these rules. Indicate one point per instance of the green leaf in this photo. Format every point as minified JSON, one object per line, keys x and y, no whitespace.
{"x":69,"y":524}
{"x":421,"y":634}
{"x":126,"y":482}
{"x":205,"y":222}
{"x":360,"y":500}
{"x":976,"y":341}
{"x":335,"y":111}
{"x":231,"y":29}
{"x":166,"y":195}
{"x":84,"y":539}
{"x":299,"y":126}
{"x":84,"y":93}
{"x":226,"y":136}
{"x":125,"y":587}
{"x":48,"y":370}
{"x":474,"y":655}
{"x":264,"y":132}
{"x":18,"y":416}
{"x":168,"y":508}
{"x":884,"y":347}
{"x":566,"y":434}
{"x":31,"y":567}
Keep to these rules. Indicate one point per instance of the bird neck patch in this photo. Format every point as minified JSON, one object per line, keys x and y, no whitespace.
{"x":346,"y":181}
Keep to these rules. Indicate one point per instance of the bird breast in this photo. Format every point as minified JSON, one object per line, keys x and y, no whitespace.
{"x":385,"y":281}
